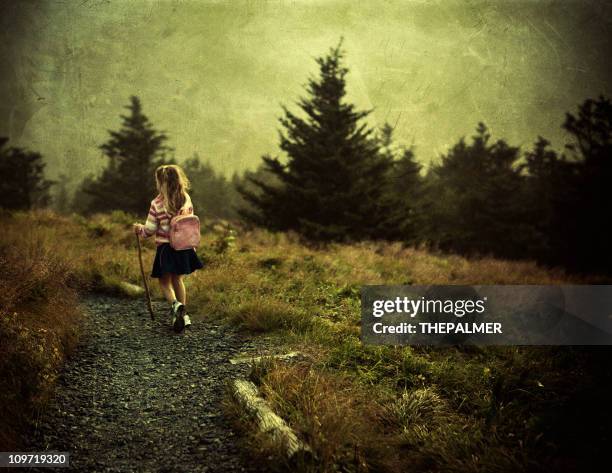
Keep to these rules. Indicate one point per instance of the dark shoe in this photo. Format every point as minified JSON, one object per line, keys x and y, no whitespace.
{"x":179,"y":318}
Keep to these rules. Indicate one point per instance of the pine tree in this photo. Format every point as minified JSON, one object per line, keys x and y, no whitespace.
{"x":333,"y":185}
{"x":405,"y":189}
{"x":133,"y":153}
{"x":473,"y":199}
{"x":545,"y":191}
{"x":588,"y":193}
{"x":249,"y":194}
{"x":22,"y":182}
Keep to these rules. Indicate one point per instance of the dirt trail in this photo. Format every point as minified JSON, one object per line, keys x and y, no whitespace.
{"x":137,"y":397}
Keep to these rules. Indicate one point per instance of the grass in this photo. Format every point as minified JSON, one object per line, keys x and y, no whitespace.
{"x":361,"y":408}
{"x":38,"y":313}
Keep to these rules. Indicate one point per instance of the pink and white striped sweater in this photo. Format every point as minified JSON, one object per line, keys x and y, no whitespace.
{"x":158,"y":220}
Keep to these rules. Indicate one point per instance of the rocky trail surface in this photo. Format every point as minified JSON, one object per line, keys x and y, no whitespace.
{"x":137,"y":397}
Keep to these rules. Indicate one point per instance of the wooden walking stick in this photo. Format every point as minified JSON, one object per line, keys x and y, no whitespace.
{"x":144,"y":277}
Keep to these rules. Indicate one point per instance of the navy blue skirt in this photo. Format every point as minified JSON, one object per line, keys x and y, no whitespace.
{"x":169,"y":260}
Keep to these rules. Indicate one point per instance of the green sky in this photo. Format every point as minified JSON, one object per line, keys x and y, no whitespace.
{"x":213,"y":74}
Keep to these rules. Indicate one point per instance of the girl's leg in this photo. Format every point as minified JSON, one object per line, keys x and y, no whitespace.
{"x":179,"y":288}
{"x":165,"y":283}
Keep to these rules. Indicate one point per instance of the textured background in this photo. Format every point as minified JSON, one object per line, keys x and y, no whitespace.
{"x":212,"y":74}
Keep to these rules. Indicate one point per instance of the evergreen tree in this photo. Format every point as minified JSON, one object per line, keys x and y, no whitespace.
{"x":334,"y":182}
{"x":546,"y":191}
{"x":474,"y":204}
{"x":211,"y":191}
{"x":405,"y":189}
{"x":82,"y":199}
{"x":569,"y":193}
{"x":249,"y":191}
{"x":22,"y":182}
{"x":588,"y":191}
{"x":133,"y":153}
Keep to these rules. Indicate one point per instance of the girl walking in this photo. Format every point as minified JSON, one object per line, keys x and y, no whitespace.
{"x":170,"y":265}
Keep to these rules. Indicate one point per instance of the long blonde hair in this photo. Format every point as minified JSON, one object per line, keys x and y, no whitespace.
{"x":172,"y":184}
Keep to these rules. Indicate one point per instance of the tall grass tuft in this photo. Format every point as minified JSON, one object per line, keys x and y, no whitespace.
{"x":38,"y":317}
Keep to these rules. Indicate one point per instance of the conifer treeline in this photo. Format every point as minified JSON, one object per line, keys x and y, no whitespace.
{"x":342,"y":180}
{"x":127,"y":183}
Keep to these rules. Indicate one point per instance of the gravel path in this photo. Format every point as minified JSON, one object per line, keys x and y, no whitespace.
{"x":138,"y":397}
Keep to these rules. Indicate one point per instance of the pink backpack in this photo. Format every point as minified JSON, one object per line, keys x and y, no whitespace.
{"x":184,"y":232}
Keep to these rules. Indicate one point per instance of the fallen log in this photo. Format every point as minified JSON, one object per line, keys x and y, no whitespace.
{"x":256,"y":359}
{"x":268,"y":421}
{"x":129,"y":289}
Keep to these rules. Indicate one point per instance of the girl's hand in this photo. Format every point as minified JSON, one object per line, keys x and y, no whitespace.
{"x":138,"y":228}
